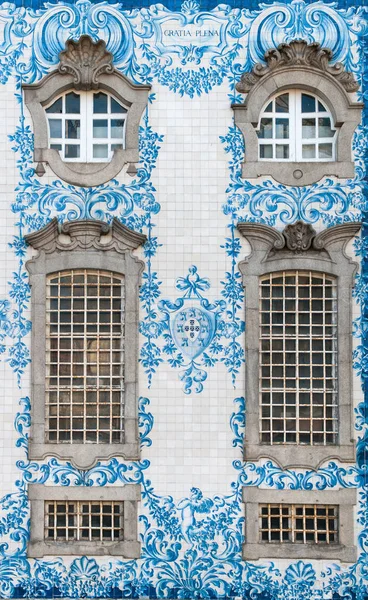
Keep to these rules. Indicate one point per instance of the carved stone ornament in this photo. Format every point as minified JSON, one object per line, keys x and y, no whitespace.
{"x":298,"y":54}
{"x":299,"y":236}
{"x":86,"y":235}
{"x":85,"y":60}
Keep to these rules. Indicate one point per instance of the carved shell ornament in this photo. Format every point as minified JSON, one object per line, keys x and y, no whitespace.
{"x":86,"y":60}
{"x":298,"y":54}
{"x":299,"y":236}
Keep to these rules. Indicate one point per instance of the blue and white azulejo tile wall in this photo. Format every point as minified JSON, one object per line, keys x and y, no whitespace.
{"x":187,"y":197}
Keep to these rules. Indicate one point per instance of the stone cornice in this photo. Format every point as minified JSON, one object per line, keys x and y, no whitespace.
{"x":301,"y":55}
{"x":85,"y":235}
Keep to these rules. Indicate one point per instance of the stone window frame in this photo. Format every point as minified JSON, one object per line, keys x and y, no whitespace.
{"x":85,"y":65}
{"x":299,"y":248}
{"x":307,"y":67}
{"x":344,"y":551}
{"x":39,"y":547}
{"x":84,"y":244}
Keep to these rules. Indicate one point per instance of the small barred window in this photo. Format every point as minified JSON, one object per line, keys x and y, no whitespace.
{"x":298,"y":523}
{"x":298,"y":358}
{"x":84,"y":521}
{"x":84,"y":356}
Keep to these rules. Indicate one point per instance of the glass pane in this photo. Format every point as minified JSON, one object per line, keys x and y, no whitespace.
{"x":72,"y":103}
{"x":116,"y":147}
{"x":282,"y":103}
{"x":321,"y":108}
{"x":56,"y":147}
{"x":57,"y":107}
{"x":282,"y":151}
{"x":100,"y":151}
{"x":265,"y":130}
{"x":325,"y":151}
{"x":309,"y":151}
{"x":100,"y":128}
{"x":116,"y":107}
{"x":324,"y":127}
{"x":117,"y":128}
{"x":99,"y":103}
{"x":72,"y":151}
{"x":308,"y":128}
{"x":72,"y":129}
{"x":265,"y":151}
{"x":282,"y":128}
{"x":268,"y":107}
{"x":55,"y":128}
{"x":308,"y":103}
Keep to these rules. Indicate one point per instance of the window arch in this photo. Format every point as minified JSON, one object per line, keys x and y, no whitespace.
{"x":86,"y":116}
{"x":84,"y":297}
{"x":298,"y":343}
{"x":86,"y":126}
{"x":305,"y":73}
{"x":296,"y":126}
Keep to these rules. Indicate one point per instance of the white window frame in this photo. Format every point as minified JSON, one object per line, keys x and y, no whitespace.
{"x":86,"y":116}
{"x":295,"y":140}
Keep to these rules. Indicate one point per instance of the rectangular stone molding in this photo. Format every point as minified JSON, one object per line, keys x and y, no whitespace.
{"x":344,"y":499}
{"x":299,"y":248}
{"x":84,"y":245}
{"x":128,"y":548}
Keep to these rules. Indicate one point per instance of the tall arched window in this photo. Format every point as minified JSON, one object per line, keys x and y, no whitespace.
{"x":86,"y":126}
{"x":296,"y":126}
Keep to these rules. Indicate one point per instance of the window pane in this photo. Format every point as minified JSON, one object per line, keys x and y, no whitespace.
{"x":72,"y":151}
{"x":116,"y":107}
{"x":57,"y":107}
{"x":56,"y":147}
{"x":55,"y":128}
{"x":116,"y":147}
{"x":282,"y":128}
{"x":268,"y":107}
{"x":265,"y":151}
{"x":324,"y":127}
{"x":282,"y":151}
{"x":100,"y":150}
{"x":325,"y":151}
{"x":309,"y":151}
{"x":282,"y":103}
{"x":265,"y":130}
{"x":100,"y":103}
{"x":100,"y":128}
{"x":117,"y":128}
{"x":321,"y":108}
{"x":72,"y":129}
{"x":72,"y":103}
{"x":308,"y":103}
{"x":308,"y":128}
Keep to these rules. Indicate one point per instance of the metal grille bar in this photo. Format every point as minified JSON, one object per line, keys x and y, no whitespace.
{"x":301,"y":523}
{"x":84,"y":382}
{"x":84,"y":521}
{"x":298,"y":358}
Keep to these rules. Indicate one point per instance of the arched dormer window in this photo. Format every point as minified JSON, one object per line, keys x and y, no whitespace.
{"x":314,"y":138}
{"x":296,"y":126}
{"x":85,"y":115}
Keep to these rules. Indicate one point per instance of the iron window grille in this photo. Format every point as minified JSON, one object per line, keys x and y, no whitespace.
{"x":84,"y":521}
{"x":84,"y":357}
{"x":298,"y":358}
{"x":298,"y":523}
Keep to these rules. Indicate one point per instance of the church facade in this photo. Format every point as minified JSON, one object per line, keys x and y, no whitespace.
{"x":183,"y":300}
